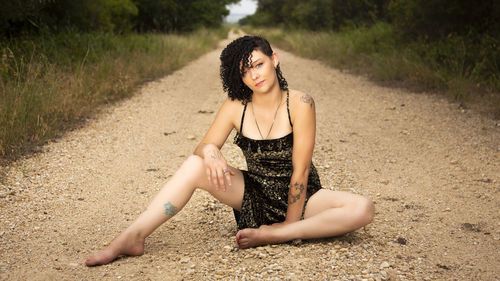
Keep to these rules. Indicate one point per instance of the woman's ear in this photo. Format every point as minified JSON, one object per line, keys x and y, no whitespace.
{"x":276,"y":60}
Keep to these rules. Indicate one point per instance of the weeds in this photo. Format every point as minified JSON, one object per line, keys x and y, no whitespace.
{"x":49,"y":82}
{"x":460,"y":67}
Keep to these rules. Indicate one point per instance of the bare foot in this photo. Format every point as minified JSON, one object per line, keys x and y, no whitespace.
{"x":251,"y":237}
{"x":123,"y":244}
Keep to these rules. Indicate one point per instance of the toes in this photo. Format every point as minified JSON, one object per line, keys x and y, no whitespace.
{"x":101,"y":258}
{"x":91,"y":261}
{"x":243,"y":244}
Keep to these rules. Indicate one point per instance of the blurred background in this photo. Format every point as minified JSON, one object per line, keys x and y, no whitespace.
{"x":62,"y":60}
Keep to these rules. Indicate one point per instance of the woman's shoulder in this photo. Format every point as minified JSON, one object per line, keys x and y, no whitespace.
{"x":299,"y":99}
{"x":231,"y":108}
{"x":231,"y":105}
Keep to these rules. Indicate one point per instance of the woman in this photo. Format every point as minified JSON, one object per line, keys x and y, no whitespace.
{"x":280,"y":197}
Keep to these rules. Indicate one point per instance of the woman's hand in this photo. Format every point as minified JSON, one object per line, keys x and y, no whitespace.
{"x":217,"y":168}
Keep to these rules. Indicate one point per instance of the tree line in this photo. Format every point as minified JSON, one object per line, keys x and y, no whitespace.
{"x":414,"y":18}
{"x":458,"y":39}
{"x":19,"y":17}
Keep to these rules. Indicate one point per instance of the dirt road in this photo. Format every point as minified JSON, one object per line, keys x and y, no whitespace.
{"x":432,"y":169}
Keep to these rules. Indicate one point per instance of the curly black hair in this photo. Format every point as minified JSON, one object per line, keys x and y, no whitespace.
{"x":240,"y":50}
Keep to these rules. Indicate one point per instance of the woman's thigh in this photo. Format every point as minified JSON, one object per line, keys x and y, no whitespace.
{"x":326,"y":199}
{"x":233,"y":195}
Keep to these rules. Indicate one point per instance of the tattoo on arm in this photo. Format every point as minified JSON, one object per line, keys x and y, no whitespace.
{"x":298,"y":188}
{"x":169,"y":209}
{"x":305,"y":98}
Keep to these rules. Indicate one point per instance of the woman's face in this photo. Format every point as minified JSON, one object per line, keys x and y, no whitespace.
{"x":261,"y":75}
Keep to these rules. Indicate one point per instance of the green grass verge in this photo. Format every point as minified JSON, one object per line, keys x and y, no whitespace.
{"x":465,"y":70}
{"x":50,"y":82}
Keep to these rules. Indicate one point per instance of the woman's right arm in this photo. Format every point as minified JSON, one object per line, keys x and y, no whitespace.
{"x":210,"y":145}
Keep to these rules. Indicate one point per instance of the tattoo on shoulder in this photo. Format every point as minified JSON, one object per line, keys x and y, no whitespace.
{"x":170,"y":209}
{"x":295,"y":192}
{"x":305,"y":98}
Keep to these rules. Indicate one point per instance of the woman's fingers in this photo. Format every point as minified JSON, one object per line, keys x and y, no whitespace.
{"x":220,"y":177}
{"x":228,"y":172}
{"x":214,"y":178}
{"x":208,"y":176}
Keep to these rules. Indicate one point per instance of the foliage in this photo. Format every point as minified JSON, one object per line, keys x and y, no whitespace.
{"x":451,"y":46}
{"x":466,"y":72}
{"x":317,"y":14}
{"x":18,"y":17}
{"x":436,"y":19}
{"x":59,"y":15}
{"x":179,"y":15}
{"x":432,"y":19}
{"x":48,"y":82}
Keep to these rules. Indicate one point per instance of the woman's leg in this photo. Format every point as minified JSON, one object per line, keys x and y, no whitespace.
{"x":170,"y":200}
{"x":328,"y":213}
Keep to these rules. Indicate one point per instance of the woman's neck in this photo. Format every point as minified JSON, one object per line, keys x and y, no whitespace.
{"x":267,"y":99}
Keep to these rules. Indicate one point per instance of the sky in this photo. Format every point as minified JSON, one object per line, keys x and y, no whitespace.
{"x":241,"y":9}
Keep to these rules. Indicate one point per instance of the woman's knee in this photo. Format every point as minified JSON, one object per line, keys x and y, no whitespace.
{"x":369,"y":210}
{"x":364,"y":211}
{"x":193,"y":162}
{"x":193,"y":166}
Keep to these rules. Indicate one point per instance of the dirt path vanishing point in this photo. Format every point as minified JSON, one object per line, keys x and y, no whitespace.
{"x":432,"y":169}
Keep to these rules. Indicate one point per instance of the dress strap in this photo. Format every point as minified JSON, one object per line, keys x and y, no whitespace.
{"x":288,"y":110}
{"x":243,"y":117}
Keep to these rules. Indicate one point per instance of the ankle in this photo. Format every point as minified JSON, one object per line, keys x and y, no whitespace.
{"x":280,"y":235}
{"x":133,"y":235}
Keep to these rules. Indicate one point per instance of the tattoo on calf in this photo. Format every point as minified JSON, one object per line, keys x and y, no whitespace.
{"x":292,"y":198}
{"x":169,"y":209}
{"x":305,"y":98}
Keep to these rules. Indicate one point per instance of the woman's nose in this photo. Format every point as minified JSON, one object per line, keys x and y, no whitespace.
{"x":255,"y":73}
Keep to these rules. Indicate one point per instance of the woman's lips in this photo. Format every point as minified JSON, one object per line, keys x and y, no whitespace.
{"x":259,"y":84}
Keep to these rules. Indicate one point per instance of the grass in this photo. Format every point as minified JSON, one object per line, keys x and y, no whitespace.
{"x":49,"y":83}
{"x":465,"y":70}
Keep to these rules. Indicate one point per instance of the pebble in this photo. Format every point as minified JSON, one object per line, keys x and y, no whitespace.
{"x":401,"y":240}
{"x":48,"y":185}
{"x":384,"y":265}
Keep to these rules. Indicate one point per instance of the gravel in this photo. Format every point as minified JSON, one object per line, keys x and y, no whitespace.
{"x":431,"y":167}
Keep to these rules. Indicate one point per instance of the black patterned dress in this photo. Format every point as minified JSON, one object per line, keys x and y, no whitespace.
{"x":267,"y":180}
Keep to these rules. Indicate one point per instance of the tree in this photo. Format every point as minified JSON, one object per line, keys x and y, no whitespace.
{"x":439,"y":18}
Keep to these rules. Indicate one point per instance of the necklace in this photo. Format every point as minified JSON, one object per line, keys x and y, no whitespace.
{"x":276,"y":113}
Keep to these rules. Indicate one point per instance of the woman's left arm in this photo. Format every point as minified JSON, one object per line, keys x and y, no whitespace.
{"x":304,"y":131}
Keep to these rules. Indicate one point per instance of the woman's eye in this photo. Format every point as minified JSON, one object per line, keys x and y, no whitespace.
{"x":259,"y":65}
